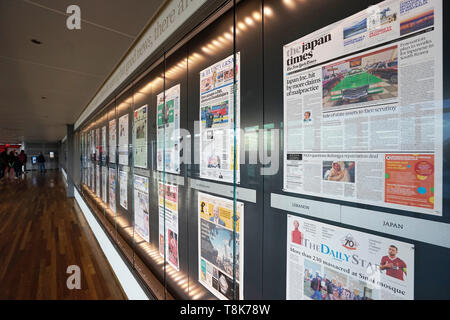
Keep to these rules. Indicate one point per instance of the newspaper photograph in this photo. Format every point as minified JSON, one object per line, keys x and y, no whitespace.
{"x":168,"y":130}
{"x":140,"y":137}
{"x":112,"y":189}
{"x":141,"y":207}
{"x":220,"y":246}
{"x":217,"y":120}
{"x":123,"y":189}
{"x":123,"y":140}
{"x":168,"y":223}
{"x":360,"y":93}
{"x":325,"y":262}
{"x":112,"y":141}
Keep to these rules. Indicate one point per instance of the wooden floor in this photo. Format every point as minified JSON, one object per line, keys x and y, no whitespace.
{"x":42,"y":233}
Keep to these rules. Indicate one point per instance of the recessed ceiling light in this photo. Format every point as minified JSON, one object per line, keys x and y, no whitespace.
{"x":36,"y":41}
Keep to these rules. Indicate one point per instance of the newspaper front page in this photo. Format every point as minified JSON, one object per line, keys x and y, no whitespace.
{"x":123,"y":140}
{"x":218,"y":257}
{"x":140,"y":137}
{"x":168,"y":130}
{"x":141,"y":208}
{"x":217,"y":120}
{"x":168,"y":224}
{"x":363,"y":108}
{"x":112,"y":141}
{"x":112,"y":189}
{"x":325,"y":262}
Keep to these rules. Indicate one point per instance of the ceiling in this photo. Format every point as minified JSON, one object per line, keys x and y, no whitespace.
{"x":44,"y":87}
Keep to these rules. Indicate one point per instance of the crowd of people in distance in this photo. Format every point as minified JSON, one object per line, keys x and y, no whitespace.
{"x":15,"y":164}
{"x":326,"y":289}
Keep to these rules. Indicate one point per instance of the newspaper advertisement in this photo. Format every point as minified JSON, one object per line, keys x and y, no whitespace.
{"x":363,"y":108}
{"x":103,"y":148}
{"x":141,"y":207}
{"x":168,"y":223}
{"x":104,"y":184}
{"x":112,"y":189}
{"x":97,"y":180}
{"x":123,"y":140}
{"x":140,"y":137}
{"x":217,"y":252}
{"x":168,"y":130}
{"x":325,"y":262}
{"x":123,"y":189}
{"x":112,"y":141}
{"x":218,"y":119}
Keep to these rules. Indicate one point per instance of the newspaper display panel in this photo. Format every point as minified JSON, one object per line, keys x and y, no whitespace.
{"x":168,"y":130}
{"x":97,"y":180}
{"x":215,"y":240}
{"x":363,"y":108}
{"x":112,"y":189}
{"x":123,"y":140}
{"x":141,"y":207}
{"x":112,"y":141}
{"x":104,"y":184}
{"x":168,"y":223}
{"x":325,"y":262}
{"x":217,"y":120}
{"x":103,"y":149}
{"x":140,"y":137}
{"x":123,"y":189}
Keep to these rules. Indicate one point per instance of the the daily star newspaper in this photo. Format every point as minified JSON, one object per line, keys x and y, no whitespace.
{"x":104,"y":184}
{"x":141,"y":208}
{"x":168,"y":236}
{"x":97,"y":180}
{"x":363,"y":108}
{"x":112,"y":141}
{"x":325,"y":262}
{"x":140,"y":137}
{"x":168,"y":130}
{"x":123,"y":189}
{"x":215,"y":241}
{"x":123,"y":140}
{"x":217,"y":120}
{"x":112,"y":189}
{"x":103,"y":149}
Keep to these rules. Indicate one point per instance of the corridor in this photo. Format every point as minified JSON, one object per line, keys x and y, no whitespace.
{"x":42,"y":233}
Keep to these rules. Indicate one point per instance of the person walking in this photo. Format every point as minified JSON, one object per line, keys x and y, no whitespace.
{"x":3,"y":163}
{"x":41,"y":162}
{"x":23,"y":161}
{"x":11,"y":161}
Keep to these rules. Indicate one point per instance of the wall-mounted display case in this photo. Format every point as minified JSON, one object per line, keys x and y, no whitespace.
{"x":284,"y":151}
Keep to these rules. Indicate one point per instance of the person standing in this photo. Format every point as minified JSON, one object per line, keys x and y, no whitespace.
{"x":394,"y":266}
{"x":11,"y":160}
{"x":316,"y":285}
{"x":3,"y":163}
{"x":41,"y":162}
{"x":23,"y":161}
{"x":296,"y":234}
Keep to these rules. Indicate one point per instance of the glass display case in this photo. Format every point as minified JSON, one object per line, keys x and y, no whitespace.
{"x":282,"y":150}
